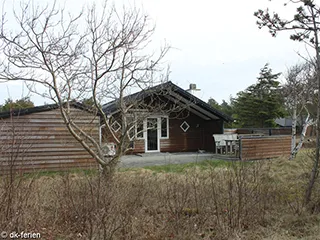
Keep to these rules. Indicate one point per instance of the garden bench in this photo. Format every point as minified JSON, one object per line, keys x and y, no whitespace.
{"x":227,"y":142}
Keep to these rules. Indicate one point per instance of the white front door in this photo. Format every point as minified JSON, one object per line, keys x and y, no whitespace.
{"x":152,"y":143}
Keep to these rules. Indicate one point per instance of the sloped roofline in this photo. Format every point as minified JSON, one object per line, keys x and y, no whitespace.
{"x":111,"y":107}
{"x":42,"y":108}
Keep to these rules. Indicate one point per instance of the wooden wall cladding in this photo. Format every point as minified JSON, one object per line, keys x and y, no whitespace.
{"x":41,"y":141}
{"x":198,"y":136}
{"x":253,"y":148}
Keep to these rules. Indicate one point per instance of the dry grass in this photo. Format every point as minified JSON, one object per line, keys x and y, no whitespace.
{"x":239,"y":201}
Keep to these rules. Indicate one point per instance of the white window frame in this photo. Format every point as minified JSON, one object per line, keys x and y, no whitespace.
{"x":167,"y":117}
{"x":100,"y":133}
{"x":184,"y":130}
{"x":145,"y":127}
{"x":115,"y":122}
{"x":144,"y":123}
{"x":131,"y":120}
{"x":134,"y":133}
{"x":143,"y":131}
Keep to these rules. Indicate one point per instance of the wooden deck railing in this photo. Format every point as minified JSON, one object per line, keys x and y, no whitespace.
{"x":264,"y":147}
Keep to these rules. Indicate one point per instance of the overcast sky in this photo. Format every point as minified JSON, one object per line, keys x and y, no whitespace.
{"x":215,"y":44}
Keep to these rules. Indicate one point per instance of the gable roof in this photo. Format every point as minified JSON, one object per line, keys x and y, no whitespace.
{"x":43,"y":108}
{"x":195,"y":105}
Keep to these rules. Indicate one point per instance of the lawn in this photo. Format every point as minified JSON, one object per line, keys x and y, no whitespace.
{"x":182,"y":168}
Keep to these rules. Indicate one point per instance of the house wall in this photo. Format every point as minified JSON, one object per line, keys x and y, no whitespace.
{"x":42,"y":141}
{"x":198,"y":136}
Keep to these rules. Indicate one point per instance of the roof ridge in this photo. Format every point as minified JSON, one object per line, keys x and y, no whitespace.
{"x":111,"y":106}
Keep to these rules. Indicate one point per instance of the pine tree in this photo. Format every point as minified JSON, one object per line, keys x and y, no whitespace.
{"x":304,"y":26}
{"x":260,"y":104}
{"x":22,"y":103}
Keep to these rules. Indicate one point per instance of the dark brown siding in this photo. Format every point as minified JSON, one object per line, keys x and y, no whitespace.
{"x":42,"y":141}
{"x":198,"y":136}
{"x":265,"y":147}
{"x":213,"y":127}
{"x":139,"y":145}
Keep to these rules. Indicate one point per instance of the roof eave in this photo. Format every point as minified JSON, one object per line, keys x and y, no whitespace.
{"x":43,"y":108}
{"x":144,"y":93}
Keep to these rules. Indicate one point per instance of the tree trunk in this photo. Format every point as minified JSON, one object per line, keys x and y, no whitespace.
{"x":315,"y":168}
{"x":294,"y":129}
{"x":296,"y":148}
{"x":314,"y":172}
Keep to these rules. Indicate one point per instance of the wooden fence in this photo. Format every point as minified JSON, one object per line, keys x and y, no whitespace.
{"x":262,"y":131}
{"x":41,"y":141}
{"x":264,"y":147}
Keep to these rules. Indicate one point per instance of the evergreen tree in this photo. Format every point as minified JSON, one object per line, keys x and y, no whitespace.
{"x":22,"y":103}
{"x":304,"y":26}
{"x":224,"y":107}
{"x":88,"y":102}
{"x":260,"y":104}
{"x":213,"y":103}
{"x":227,"y":108}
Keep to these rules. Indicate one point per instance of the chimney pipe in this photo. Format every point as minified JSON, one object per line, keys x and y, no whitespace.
{"x":193,"y":90}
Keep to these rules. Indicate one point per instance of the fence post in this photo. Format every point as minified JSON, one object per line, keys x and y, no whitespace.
{"x":240,"y":148}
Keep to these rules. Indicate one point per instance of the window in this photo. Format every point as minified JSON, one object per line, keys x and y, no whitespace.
{"x":130,"y":126}
{"x":115,"y":126}
{"x":131,"y":133}
{"x":139,"y":130}
{"x":164,"y":127}
{"x":184,"y":126}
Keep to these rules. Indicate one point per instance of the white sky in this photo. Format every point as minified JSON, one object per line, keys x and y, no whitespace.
{"x":216,"y":44}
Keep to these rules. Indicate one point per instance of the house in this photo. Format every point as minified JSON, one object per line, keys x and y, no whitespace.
{"x":37,"y":138}
{"x":284,"y":122}
{"x":171,"y":120}
{"x":287,"y":123}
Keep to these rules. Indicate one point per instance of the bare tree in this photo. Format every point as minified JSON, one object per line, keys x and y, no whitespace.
{"x":305,"y":28}
{"x":298,"y":92}
{"x":14,"y":144}
{"x":101,"y":54}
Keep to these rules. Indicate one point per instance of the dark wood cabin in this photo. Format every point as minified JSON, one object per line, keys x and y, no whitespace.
{"x":174,"y":121}
{"x":37,"y":139}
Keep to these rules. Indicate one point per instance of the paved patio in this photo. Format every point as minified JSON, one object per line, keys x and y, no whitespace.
{"x":154,"y":159}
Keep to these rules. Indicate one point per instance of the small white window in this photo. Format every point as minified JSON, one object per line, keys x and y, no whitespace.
{"x":131,"y":133}
{"x":184,"y":126}
{"x":164,"y":127}
{"x":115,"y":126}
{"x":139,"y":130}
